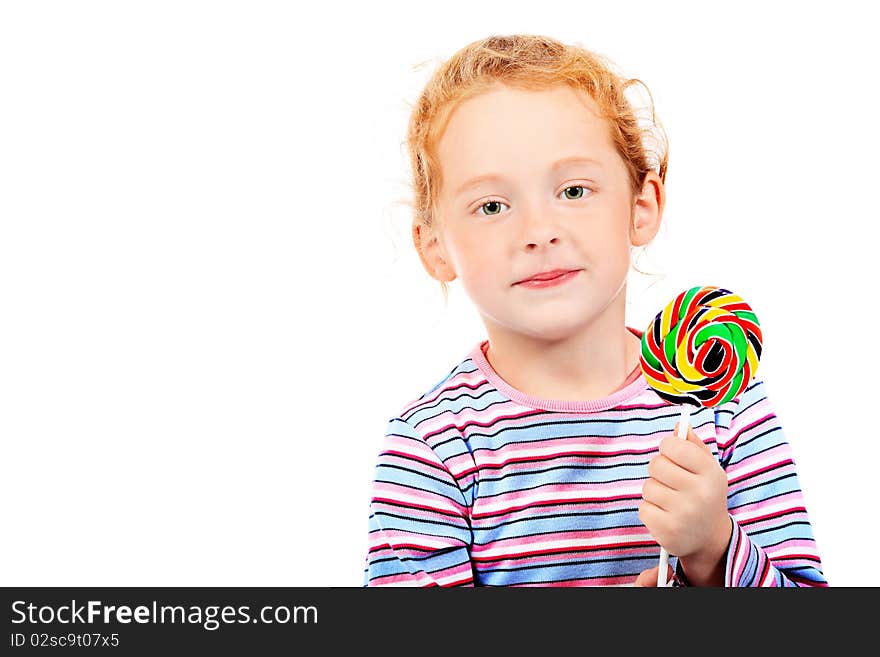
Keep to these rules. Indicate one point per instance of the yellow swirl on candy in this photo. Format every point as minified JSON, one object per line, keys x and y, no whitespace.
{"x":703,"y":348}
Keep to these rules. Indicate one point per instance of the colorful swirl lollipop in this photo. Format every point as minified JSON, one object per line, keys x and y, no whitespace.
{"x":701,"y":350}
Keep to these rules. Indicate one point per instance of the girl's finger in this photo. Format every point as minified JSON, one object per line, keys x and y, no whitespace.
{"x":648,"y":578}
{"x":658,"y":494}
{"x":684,"y":453}
{"x":668,"y":473}
{"x":696,"y":440}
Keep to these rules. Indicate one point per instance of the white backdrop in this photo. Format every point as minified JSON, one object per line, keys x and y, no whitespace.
{"x":211,"y":305}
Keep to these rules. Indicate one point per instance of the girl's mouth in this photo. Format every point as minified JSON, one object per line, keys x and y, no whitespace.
{"x":534,"y":283}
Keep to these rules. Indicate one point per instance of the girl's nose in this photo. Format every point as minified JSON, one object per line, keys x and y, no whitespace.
{"x":532,"y":245}
{"x":539,"y":229}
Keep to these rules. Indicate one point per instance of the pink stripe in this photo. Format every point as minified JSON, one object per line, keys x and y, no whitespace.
{"x":647,"y":550}
{"x":584,"y":535}
{"x":753,"y":473}
{"x":740,"y":556}
{"x":619,"y":580}
{"x":564,"y":502}
{"x":778,"y":452}
{"x":512,"y":554}
{"x":421,"y":505}
{"x":551,"y":490}
{"x":416,"y":514}
{"x":460,"y":574}
{"x":581,"y":444}
{"x":482,"y":420}
{"x":462,"y":380}
{"x":791,"y":499}
{"x":769,"y":579}
{"x":402,"y":579}
{"x":409,"y":457}
{"x":737,"y":433}
{"x":505,"y":515}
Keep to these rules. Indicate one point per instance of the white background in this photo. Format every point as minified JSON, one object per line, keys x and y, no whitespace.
{"x":211,"y":305}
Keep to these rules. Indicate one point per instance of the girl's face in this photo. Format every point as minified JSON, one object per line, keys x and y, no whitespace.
{"x":531,"y":182}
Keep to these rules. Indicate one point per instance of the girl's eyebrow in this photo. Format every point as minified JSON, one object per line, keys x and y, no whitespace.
{"x":487,"y":177}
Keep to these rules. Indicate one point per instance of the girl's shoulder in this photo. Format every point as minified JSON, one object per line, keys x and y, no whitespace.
{"x":755,"y":392}
{"x":464,"y":377}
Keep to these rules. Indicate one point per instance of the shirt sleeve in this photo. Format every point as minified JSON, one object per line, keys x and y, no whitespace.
{"x":419,"y":524}
{"x":771,"y":542}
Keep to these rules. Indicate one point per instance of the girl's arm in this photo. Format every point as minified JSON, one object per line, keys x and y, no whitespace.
{"x":419,"y":528}
{"x":771,"y":542}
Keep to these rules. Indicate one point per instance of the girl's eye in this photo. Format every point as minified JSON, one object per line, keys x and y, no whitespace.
{"x":493,"y":209}
{"x":490,"y":203}
{"x":580,"y":187}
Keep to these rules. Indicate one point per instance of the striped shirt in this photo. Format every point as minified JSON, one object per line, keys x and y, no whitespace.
{"x":480,"y":484}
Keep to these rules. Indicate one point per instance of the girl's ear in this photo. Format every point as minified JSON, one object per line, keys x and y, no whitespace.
{"x":647,"y":210}
{"x":432,"y":253}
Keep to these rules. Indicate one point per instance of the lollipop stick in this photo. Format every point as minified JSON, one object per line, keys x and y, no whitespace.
{"x":683,"y":423}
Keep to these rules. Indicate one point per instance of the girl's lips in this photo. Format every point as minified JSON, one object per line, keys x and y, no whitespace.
{"x":553,"y":282}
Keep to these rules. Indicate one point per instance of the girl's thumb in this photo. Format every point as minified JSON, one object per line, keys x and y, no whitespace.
{"x":648,"y":578}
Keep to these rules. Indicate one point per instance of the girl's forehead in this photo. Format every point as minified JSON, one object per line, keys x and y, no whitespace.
{"x":558,"y":95}
{"x":508,"y":112}
{"x":506,"y":122}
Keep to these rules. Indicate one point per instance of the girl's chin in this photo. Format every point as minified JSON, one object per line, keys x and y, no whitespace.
{"x":547,"y":330}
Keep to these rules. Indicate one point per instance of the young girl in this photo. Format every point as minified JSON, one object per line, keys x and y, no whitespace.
{"x":543,"y":458}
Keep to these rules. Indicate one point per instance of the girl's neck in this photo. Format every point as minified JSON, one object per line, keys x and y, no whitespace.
{"x":590,"y":365}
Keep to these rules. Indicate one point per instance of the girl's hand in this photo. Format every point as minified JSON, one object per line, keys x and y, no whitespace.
{"x":684,"y":505}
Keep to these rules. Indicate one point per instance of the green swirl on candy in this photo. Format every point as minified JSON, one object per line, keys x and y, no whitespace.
{"x":703,"y":348}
